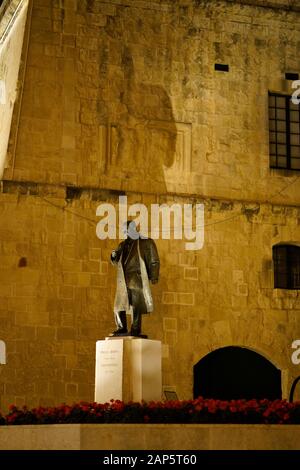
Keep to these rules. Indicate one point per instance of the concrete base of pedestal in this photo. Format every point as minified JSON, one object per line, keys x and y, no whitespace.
{"x":128,"y":369}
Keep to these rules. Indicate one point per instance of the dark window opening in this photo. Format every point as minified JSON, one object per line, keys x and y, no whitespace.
{"x":286,"y":259}
{"x":284,"y":132}
{"x":292,"y":76}
{"x":222,"y":67}
{"x":235,"y":373}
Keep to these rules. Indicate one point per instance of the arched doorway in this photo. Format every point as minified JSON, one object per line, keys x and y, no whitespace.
{"x":235,"y":372}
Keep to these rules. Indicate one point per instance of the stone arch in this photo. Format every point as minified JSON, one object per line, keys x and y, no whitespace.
{"x":280,"y":364}
{"x":234,"y":372}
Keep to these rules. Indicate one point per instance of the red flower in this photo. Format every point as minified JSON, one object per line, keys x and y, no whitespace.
{"x":12,"y":407}
{"x":199,"y":410}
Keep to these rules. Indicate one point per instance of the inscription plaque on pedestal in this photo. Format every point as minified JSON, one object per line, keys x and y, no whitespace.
{"x":109,"y":376}
{"x":128,"y":369}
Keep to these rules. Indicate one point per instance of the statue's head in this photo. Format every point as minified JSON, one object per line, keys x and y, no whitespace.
{"x":130,"y":230}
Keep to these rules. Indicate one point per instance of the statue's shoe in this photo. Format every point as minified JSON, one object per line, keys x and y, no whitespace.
{"x":137,"y":333}
{"x":120,"y":332}
{"x":134,"y":332}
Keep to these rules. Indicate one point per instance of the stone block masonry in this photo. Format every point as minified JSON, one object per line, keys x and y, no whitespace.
{"x":56,"y":306}
{"x":122,"y":97}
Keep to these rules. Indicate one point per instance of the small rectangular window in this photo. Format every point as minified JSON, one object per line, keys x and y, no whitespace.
{"x":284,"y":132}
{"x":222,"y":67}
{"x":292,"y":76}
{"x":286,"y":260}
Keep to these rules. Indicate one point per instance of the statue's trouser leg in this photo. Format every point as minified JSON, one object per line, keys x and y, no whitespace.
{"x":121,"y":320}
{"x":136,"y":326}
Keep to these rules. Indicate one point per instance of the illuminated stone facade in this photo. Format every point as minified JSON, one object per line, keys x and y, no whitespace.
{"x":122,"y":97}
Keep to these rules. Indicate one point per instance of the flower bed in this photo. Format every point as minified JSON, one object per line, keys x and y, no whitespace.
{"x":192,"y":411}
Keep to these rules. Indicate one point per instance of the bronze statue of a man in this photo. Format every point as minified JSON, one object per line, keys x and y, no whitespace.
{"x":138,"y":262}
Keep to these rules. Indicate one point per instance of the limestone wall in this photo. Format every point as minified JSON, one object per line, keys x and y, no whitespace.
{"x":58,"y":300}
{"x":123,"y":97}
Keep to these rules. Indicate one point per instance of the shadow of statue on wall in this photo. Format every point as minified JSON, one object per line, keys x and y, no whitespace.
{"x":143,"y":136}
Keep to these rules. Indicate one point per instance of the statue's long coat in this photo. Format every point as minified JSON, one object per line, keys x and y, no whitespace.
{"x":134,"y":273}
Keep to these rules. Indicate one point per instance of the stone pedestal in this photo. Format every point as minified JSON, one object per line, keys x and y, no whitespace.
{"x":128,"y":369}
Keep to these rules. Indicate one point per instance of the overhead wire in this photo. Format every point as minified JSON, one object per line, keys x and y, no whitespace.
{"x":88,"y":219}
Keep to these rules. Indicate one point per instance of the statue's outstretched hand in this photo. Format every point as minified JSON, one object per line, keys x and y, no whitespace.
{"x":114,"y":257}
